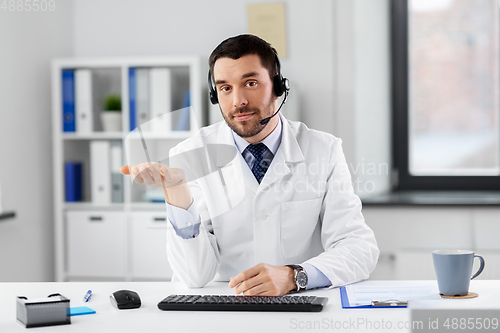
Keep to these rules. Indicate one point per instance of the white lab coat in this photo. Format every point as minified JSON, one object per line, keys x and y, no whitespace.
{"x":304,"y":211}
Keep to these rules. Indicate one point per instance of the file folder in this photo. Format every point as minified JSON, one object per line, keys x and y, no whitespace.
{"x":142,"y":98}
{"x":73,"y":181}
{"x":379,"y":294}
{"x":345,"y":303}
{"x":83,"y":101}
{"x":160,"y":86}
{"x":68,"y":100}
{"x":116,"y":177}
{"x":100,"y":172}
{"x":132,"y":98}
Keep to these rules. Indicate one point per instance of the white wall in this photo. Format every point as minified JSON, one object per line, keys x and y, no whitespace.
{"x":87,"y":28}
{"x":28,"y":41}
{"x":338,"y":62}
{"x":363,"y":121}
{"x":407,"y":236}
{"x":156,"y":27}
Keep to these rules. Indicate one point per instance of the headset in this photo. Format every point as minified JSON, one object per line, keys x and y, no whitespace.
{"x":281,"y":86}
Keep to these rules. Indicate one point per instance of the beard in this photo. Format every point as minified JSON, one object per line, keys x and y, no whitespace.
{"x":247,"y":128}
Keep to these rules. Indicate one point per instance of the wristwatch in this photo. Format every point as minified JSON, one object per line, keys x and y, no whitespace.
{"x":300,"y":277}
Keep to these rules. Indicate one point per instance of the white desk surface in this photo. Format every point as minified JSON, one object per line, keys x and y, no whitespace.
{"x":148,"y":318}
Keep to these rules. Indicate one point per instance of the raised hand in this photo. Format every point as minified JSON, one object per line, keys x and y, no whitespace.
{"x":172,"y":180}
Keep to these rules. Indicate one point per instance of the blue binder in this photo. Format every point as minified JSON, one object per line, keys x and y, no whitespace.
{"x":68,"y":100}
{"x":183,"y":121}
{"x":73,"y":181}
{"x":132,"y":98}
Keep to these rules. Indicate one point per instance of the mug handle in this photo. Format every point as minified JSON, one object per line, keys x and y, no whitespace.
{"x":480,"y":270}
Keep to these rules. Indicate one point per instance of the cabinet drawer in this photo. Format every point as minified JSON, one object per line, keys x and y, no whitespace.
{"x":149,"y":241}
{"x":96,"y":244}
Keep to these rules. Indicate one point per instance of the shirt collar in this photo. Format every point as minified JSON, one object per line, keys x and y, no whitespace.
{"x":272,"y":141}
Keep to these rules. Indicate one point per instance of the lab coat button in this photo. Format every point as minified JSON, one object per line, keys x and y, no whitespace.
{"x":189,"y":224}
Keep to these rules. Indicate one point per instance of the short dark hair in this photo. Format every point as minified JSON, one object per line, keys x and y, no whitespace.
{"x":242,"y":45}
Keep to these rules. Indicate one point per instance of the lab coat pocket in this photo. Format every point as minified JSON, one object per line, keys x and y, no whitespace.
{"x":298,"y":221}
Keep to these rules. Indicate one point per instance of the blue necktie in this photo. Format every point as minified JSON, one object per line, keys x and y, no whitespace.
{"x":260,"y":165}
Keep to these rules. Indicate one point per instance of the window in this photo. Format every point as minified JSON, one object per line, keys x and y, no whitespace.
{"x":446,"y":91}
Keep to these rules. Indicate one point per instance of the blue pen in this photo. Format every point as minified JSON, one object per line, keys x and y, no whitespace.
{"x":87,"y":296}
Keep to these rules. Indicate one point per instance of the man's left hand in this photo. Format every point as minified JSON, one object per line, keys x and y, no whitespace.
{"x":264,"y":280}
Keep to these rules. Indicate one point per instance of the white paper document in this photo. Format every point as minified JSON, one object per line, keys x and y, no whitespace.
{"x":365,"y":292}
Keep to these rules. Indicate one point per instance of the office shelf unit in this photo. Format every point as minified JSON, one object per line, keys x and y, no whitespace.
{"x":125,"y":240}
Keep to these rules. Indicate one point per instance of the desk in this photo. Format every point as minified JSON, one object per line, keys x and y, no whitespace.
{"x":148,"y":319}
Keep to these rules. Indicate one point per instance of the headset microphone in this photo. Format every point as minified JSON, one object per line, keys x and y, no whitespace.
{"x":266,"y":120}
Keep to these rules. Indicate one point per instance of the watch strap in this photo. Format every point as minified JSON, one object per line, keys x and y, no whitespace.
{"x":297,"y":269}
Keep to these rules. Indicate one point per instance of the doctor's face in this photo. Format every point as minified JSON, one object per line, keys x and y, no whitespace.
{"x":245,"y":93}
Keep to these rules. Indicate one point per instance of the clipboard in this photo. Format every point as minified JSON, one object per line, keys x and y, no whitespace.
{"x":375,"y":304}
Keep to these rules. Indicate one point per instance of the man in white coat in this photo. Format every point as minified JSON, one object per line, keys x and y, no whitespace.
{"x":280,"y":213}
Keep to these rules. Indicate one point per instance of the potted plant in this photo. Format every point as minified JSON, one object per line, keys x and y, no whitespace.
{"x":112,"y":114}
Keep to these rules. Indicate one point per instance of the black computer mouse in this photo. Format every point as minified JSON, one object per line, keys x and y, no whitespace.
{"x":125,"y":299}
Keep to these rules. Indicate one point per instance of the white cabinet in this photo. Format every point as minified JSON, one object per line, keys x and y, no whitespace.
{"x":121,"y":237}
{"x":148,"y":246}
{"x":96,"y":244}
{"x":406,"y":237}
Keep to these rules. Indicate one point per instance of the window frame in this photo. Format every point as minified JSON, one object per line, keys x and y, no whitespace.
{"x":402,"y":179}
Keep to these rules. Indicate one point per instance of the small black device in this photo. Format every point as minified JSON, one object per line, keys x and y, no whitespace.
{"x":300,"y":277}
{"x":53,"y":310}
{"x":280,"y":84}
{"x":242,"y":303}
{"x":125,"y":299}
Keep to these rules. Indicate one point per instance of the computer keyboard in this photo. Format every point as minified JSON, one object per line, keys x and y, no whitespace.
{"x":242,"y":303}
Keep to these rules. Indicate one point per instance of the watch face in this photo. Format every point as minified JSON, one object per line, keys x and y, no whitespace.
{"x":302,"y":279}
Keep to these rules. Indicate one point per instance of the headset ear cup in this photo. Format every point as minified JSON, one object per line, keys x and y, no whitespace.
{"x":278,"y":85}
{"x":285,"y":84}
{"x":213,"y":97}
{"x":212,"y":93}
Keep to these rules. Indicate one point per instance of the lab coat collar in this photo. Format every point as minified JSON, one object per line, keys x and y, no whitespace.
{"x":288,"y":152}
{"x":237,"y":168}
{"x":289,"y":145}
